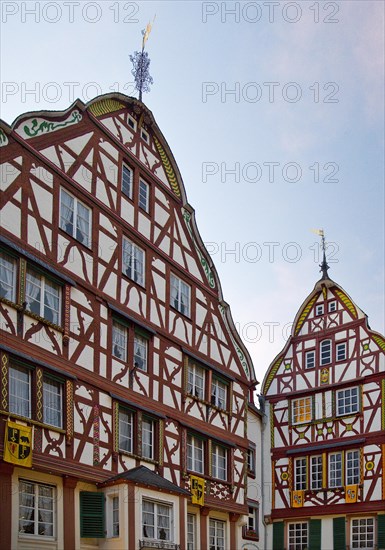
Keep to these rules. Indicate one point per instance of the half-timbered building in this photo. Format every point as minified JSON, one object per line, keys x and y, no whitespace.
{"x":124,"y":384}
{"x":326,"y":443}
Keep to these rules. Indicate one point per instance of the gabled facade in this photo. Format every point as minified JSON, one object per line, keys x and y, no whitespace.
{"x":122,"y":375}
{"x":326,"y":444}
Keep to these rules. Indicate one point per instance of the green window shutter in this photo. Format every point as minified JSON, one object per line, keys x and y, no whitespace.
{"x":339,"y":537}
{"x":278,"y":536}
{"x":381,"y":532}
{"x":92,"y":515}
{"x":315,"y":534}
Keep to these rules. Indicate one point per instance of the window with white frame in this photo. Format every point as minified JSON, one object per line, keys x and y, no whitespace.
{"x":127,"y":181}
{"x":191,"y":532}
{"x":252,"y":523}
{"x":7,"y":277}
{"x":144,"y":135}
{"x":115,"y":517}
{"x":53,"y":402}
{"x":310,"y":359}
{"x":144,"y":196}
{"x":119,"y":341}
{"x":302,"y":410}
{"x":326,"y":352}
{"x":195,"y":447}
{"x":43,"y":297}
{"x":332,"y":306}
{"x":20,"y":391}
{"x":157,"y":520}
{"x":352,"y":467}
{"x":148,"y":438}
{"x":133,"y":261}
{"x":126,"y":430}
{"x":363,"y":533}
{"x":298,"y":536}
{"x":195,"y":380}
{"x":341,"y":351}
{"x":251,"y":461}
{"x":300,"y":474}
{"x":36,"y":509}
{"x":218,"y":393}
{"x":319,"y":309}
{"x":348,"y":401}
{"x":335,"y":470}
{"x":75,"y":218}
{"x":219,"y":462}
{"x":180,"y":295}
{"x":316,"y":473}
{"x":217,"y":539}
{"x":140,"y":352}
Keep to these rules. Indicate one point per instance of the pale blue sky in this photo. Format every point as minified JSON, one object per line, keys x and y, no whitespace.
{"x":334,"y":67}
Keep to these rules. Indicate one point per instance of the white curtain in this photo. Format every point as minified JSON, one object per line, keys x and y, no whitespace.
{"x":7,"y":270}
{"x":67,"y":212}
{"x":33,"y":292}
{"x":51,"y":302}
{"x":83,"y":224}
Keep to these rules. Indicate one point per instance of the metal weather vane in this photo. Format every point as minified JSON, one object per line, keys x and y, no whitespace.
{"x":324,"y":266}
{"x":141,"y":64}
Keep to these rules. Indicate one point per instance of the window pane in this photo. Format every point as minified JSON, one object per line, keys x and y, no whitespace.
{"x":52,"y":295}
{"x":140,"y":352}
{"x":33,"y":292}
{"x":125,"y":431}
{"x":127,"y":181}
{"x":7,"y":277}
{"x":119,"y":341}
{"x":36,"y":509}
{"x":143,"y":195}
{"x":66,"y":212}
{"x":19,"y":391}
{"x":52,"y":403}
{"x":148,"y":439}
{"x":335,"y":470}
{"x":180,"y":295}
{"x":133,"y":261}
{"x":83,"y":224}
{"x":298,"y":536}
{"x":326,"y":352}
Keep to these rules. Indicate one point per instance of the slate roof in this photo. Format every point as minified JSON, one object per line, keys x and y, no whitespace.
{"x":145,"y":476}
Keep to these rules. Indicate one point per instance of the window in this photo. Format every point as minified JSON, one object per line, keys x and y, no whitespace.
{"x":319,"y":309}
{"x":341,"y":351}
{"x":362,"y":533}
{"x":326,"y":352}
{"x":43,"y":297}
{"x":219,"y":462}
{"x":316,"y":473}
{"x":148,"y":438}
{"x":144,"y":135}
{"x":115,"y":516}
{"x":144,"y":196}
{"x":217,"y":535}
{"x":300,"y":467}
{"x":332,"y":306}
{"x":133,"y":261}
{"x":7,"y":277}
{"x":298,"y":536}
{"x":127,"y":181}
{"x":251,"y":461}
{"x":335,"y":470}
{"x":195,"y":380}
{"x":20,"y":391}
{"x":126,"y":431}
{"x":157,"y":520}
{"x":218,"y":393}
{"x":302,"y":410}
{"x":352,"y":466}
{"x":347,"y":401}
{"x":119,"y":341}
{"x":310,"y":359}
{"x":131,"y":122}
{"x":140,"y":352}
{"x":191,"y":532}
{"x":75,"y":218}
{"x":253,"y":521}
{"x":36,"y":509}
{"x":195,"y":454}
{"x":180,"y":295}
{"x":52,"y":402}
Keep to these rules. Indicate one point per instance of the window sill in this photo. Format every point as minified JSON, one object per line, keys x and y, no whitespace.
{"x":208,"y":403}
{"x":34,"y":423}
{"x":44,"y":321}
{"x":141,"y":286}
{"x":76,"y":241}
{"x":138,"y":457}
{"x":187,"y":317}
{"x":250,"y":534}
{"x":10,"y":303}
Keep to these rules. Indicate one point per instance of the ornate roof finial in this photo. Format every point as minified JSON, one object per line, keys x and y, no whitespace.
{"x":324,"y":266}
{"x":141,"y":63}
